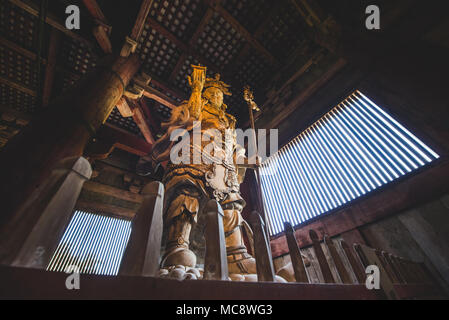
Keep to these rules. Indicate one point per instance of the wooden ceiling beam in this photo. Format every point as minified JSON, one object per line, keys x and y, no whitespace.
{"x":141,"y":19}
{"x":124,"y":140}
{"x":130,"y":44}
{"x":156,"y":95}
{"x":152,"y":121}
{"x":102,"y":30}
{"x":115,"y":211}
{"x":55,"y":38}
{"x":260,"y":28}
{"x":112,"y":192}
{"x":305,"y":94}
{"x":177,"y":68}
{"x":96,"y":12}
{"x":50,"y":20}
{"x":139,"y":118}
{"x":166,"y":87}
{"x":204,"y":21}
{"x":18,"y":86}
{"x":24,"y":52}
{"x":183,"y":47}
{"x":242,"y":30}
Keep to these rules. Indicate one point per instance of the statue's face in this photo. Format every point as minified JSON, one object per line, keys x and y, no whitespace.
{"x":215,"y":97}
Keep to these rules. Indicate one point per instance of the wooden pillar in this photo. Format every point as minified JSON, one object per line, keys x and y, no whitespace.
{"x":295,"y":254}
{"x":215,"y":262}
{"x":61,"y":131}
{"x":142,"y":254}
{"x":264,"y":261}
{"x":53,"y":203}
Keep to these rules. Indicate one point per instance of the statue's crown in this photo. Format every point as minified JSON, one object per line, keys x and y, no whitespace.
{"x":215,"y":82}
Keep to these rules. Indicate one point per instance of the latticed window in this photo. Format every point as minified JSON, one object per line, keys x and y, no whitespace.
{"x":92,"y":243}
{"x":354,"y":149}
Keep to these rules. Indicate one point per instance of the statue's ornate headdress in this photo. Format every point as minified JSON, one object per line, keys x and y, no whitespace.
{"x":215,"y":82}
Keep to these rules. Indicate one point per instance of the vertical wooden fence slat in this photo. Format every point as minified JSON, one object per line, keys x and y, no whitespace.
{"x":386,"y":266}
{"x":355,"y":264}
{"x":393,"y":266}
{"x":52,"y":205}
{"x":215,"y":263}
{"x":264,"y":261}
{"x":295,"y":254}
{"x":324,"y":265}
{"x":142,"y":254}
{"x":344,"y":275}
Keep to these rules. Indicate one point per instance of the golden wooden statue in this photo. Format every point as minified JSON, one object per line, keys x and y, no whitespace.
{"x":189,"y":186}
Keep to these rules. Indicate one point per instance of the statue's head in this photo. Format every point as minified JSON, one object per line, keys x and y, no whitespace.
{"x":214,"y":96}
{"x":214,"y":92}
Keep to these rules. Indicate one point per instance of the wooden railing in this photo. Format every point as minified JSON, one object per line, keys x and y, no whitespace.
{"x":399,"y":278}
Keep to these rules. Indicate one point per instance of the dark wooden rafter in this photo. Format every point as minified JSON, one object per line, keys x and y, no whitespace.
{"x":131,"y":41}
{"x":311,"y":15}
{"x":156,"y":95}
{"x":262,"y":26}
{"x":204,"y":21}
{"x":112,"y":192}
{"x":102,"y":29}
{"x":187,"y":49}
{"x":242,"y":30}
{"x":155,"y":124}
{"x":124,"y":140}
{"x":293,"y":105}
{"x":50,"y":20}
{"x":18,"y":86}
{"x":115,"y":211}
{"x":183,"y":47}
{"x":169,"y":89}
{"x":96,"y":13}
{"x":132,"y":108}
{"x":140,"y":119}
{"x":141,"y":18}
{"x":32,"y":56}
{"x":55,"y":38}
{"x":178,"y":67}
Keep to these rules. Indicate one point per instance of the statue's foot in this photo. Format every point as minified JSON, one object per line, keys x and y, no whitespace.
{"x":252,"y":278}
{"x":180,"y":272}
{"x":241,"y":263}
{"x":179,"y":256}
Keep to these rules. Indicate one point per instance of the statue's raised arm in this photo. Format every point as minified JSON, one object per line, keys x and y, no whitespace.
{"x":196,"y":82}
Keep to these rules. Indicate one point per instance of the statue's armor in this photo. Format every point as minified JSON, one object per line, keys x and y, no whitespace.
{"x":212,"y":175}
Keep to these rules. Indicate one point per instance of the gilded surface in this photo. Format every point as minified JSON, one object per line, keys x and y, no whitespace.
{"x":189,"y":186}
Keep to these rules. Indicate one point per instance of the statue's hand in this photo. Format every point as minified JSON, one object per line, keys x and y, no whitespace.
{"x":197,"y":80}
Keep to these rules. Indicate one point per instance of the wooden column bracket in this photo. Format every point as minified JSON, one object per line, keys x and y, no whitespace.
{"x":215,"y":263}
{"x":295,"y":254}
{"x":46,"y":215}
{"x":142,"y":254}
{"x":343,"y":273}
{"x":129,"y":47}
{"x":324,"y":265}
{"x":262,"y":251}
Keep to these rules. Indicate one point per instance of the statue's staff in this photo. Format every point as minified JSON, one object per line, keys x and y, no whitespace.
{"x":248,"y":96}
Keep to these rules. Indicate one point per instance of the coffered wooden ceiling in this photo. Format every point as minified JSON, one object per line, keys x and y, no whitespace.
{"x":261,"y":43}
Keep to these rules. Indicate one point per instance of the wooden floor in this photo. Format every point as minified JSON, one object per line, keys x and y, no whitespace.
{"x":18,"y":283}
